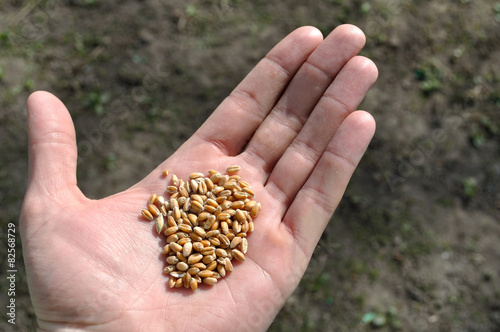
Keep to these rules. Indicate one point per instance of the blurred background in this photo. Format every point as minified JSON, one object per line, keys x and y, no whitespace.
{"x":414,"y":244}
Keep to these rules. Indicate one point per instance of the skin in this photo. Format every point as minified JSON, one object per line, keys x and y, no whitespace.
{"x":291,"y":124}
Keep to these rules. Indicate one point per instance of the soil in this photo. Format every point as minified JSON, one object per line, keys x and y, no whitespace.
{"x":413,"y":246}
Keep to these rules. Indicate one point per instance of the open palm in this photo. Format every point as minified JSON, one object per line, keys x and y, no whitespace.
{"x":291,"y":124}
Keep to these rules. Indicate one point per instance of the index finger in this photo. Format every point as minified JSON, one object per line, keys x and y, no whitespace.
{"x":233,"y":123}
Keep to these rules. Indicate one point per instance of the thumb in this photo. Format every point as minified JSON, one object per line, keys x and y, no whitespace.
{"x":52,"y":146}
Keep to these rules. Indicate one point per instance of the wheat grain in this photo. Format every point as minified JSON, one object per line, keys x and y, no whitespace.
{"x":238,"y":255}
{"x":187,"y":249}
{"x":210,"y":281}
{"x":182,"y":266}
{"x":212,"y":265}
{"x":244,"y":245}
{"x":154,"y":210}
{"x":146,"y":214}
{"x":193,"y":284}
{"x":160,"y":223}
{"x":233,"y":169}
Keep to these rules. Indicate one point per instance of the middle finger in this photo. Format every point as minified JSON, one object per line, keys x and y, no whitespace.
{"x":290,"y":113}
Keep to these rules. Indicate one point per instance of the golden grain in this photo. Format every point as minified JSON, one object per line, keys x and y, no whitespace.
{"x":217,"y":190}
{"x":202,"y":187}
{"x":205,"y":273}
{"x":244,"y":227}
{"x":239,"y":215}
{"x":208,"y":259}
{"x":152,"y":199}
{"x":210,"y":185}
{"x":210,"y":209}
{"x":163,"y":210}
{"x":146,"y":214}
{"x":172,"y":189}
{"x":210,"y":222}
{"x":194,"y":258}
{"x":175,"y":246}
{"x":172,"y":238}
{"x":159,"y":224}
{"x":182,"y":241}
{"x":182,"y":266}
{"x":154,"y":210}
{"x":215,"y":177}
{"x":176,"y":213}
{"x":237,"y":205}
{"x":166,"y":249}
{"x":224,"y":239}
{"x":175,"y":180}
{"x":208,"y":251}
{"x":183,"y":191}
{"x":212,"y":265}
{"x":194,"y":186}
{"x":240,"y":195}
{"x":238,"y":255}
{"x":180,"y":256}
{"x":211,"y":233}
{"x":222,"y":270}
{"x":193,"y":284}
{"x":195,"y":237}
{"x":160,"y":201}
{"x":196,"y":175}
{"x":172,"y":260}
{"x":236,"y":226}
{"x":220,"y":252}
{"x":186,"y":280}
{"x":199,"y":265}
{"x":169,"y":269}
{"x":233,"y":169}
{"x":173,"y":203}
{"x":187,"y":249}
{"x":210,"y":281}
{"x":203,"y":216}
{"x":198,"y":246}
{"x":244,"y":245}
{"x":214,"y":241}
{"x":254,"y":211}
{"x":223,"y":216}
{"x":249,"y":205}
{"x":223,"y":180}
{"x":171,"y":222}
{"x":185,"y":228}
{"x":235,"y":242}
{"x":171,"y":282}
{"x":228,"y":265}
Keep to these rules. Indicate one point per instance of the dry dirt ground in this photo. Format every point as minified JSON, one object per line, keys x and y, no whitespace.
{"x":414,"y":245}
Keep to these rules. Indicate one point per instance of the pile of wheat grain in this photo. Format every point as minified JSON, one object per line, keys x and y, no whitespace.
{"x":206,"y":221}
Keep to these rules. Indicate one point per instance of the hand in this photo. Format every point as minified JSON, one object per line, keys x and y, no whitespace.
{"x":291,"y":124}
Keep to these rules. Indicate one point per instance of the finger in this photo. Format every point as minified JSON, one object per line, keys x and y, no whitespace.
{"x":305,"y":90}
{"x":315,"y":203}
{"x":339,"y":100}
{"x":233,"y":123}
{"x":52,"y":144}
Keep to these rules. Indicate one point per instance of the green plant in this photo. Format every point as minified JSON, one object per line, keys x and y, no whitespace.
{"x":469,"y":186}
{"x":96,"y":101}
{"x":429,"y":77}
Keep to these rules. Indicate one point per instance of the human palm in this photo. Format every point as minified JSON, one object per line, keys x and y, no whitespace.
{"x":292,"y":126}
